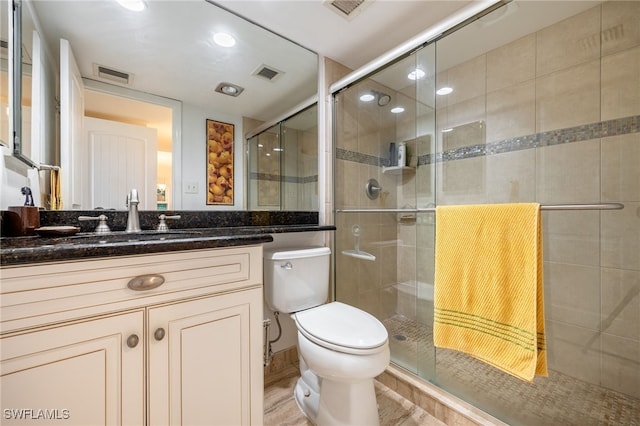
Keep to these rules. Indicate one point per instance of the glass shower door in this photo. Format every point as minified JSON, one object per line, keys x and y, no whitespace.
{"x":384,"y":127}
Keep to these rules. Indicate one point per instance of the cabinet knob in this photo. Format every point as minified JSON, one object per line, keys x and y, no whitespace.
{"x":159,"y":334}
{"x":132,"y":341}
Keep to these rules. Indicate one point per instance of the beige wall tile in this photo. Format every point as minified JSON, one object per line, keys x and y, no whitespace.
{"x":572,"y":294}
{"x":461,"y":113}
{"x":511,"y":112}
{"x":406,"y":263}
{"x":620,"y":364}
{"x":462,"y":181}
{"x":468,"y":80}
{"x":573,"y":350}
{"x":568,"y":43}
{"x":572,"y":237}
{"x":511,"y":64}
{"x":425,"y":185}
{"x":347,"y":175}
{"x":334,"y":71}
{"x":511,"y":177}
{"x":621,"y":303}
{"x":346,"y":121}
{"x":621,"y":168}
{"x":370,"y":302}
{"x":388,"y":303}
{"x":620,"y":29}
{"x":621,"y":237}
{"x":406,"y":232}
{"x":568,"y":98}
{"x":620,"y":84}
{"x":425,"y":260}
{"x":568,"y":173}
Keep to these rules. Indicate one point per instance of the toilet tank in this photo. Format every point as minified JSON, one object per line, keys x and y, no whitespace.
{"x":296,"y":278}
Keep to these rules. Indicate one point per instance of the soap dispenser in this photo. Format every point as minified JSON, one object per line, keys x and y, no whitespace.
{"x":28,"y":215}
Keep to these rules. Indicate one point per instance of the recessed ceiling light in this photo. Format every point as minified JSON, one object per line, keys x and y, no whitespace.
{"x":444,"y":91}
{"x":367,"y":97}
{"x":224,"y":39}
{"x":397,"y":110}
{"x":229,"y":89}
{"x":278,"y":149}
{"x":447,"y":130}
{"x":416,"y":74}
{"x":133,"y":5}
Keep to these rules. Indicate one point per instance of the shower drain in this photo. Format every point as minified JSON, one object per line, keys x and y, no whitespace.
{"x":400,"y":337}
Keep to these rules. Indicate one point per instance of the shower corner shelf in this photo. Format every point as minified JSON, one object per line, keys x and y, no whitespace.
{"x":397,"y":170}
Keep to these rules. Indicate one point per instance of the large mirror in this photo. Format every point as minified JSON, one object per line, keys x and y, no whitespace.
{"x":160,"y":69}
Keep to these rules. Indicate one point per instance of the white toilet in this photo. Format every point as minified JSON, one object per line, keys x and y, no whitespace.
{"x":341,"y":348}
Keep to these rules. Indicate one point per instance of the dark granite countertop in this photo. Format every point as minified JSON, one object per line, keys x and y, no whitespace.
{"x":211,"y":230}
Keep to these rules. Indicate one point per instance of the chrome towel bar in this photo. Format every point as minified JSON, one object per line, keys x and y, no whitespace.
{"x":600,"y":206}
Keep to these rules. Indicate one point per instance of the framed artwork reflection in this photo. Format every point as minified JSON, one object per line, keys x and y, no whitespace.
{"x":220,"y":138}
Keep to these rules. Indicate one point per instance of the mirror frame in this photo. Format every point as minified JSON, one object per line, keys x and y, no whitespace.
{"x":15,"y":58}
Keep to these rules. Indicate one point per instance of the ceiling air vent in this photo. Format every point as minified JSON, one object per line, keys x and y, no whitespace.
{"x":267,"y":72}
{"x":348,"y":9}
{"x":111,"y":75}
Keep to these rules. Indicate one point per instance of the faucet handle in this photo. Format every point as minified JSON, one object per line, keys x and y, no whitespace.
{"x":162,"y":226}
{"x":102,"y":227}
{"x":132,"y":198}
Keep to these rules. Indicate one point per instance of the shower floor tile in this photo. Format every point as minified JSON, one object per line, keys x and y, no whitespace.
{"x":556,"y":400}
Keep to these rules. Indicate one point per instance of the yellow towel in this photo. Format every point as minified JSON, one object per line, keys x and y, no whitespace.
{"x":55,"y":196}
{"x":488,"y":295}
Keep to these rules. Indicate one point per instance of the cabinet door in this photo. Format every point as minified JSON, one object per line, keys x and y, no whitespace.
{"x":83,"y":373}
{"x":207,"y":368}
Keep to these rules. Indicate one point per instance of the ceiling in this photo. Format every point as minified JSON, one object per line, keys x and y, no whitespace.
{"x":379,"y":27}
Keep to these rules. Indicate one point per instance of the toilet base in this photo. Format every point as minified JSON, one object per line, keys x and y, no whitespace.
{"x":337,"y":403}
{"x":307,"y":394}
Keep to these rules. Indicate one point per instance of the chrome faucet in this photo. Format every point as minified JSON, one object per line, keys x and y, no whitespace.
{"x":133,"y":221}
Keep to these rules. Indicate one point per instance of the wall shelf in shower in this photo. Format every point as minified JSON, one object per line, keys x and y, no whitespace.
{"x":397,"y":170}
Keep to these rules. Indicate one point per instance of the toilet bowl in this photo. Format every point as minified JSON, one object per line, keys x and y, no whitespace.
{"x":341,"y":348}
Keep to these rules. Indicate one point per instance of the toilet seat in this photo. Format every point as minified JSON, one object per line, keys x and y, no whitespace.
{"x":342,"y":328}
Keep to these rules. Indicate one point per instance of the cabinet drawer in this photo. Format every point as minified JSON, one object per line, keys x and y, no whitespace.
{"x":34,"y":295}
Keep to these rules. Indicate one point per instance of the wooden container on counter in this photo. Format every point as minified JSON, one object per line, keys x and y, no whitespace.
{"x":26,"y":222}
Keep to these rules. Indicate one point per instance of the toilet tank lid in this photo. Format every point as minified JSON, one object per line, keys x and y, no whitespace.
{"x":342,"y":325}
{"x":295,"y":253}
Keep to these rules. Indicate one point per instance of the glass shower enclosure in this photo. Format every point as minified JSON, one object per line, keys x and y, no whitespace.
{"x":282,"y":172}
{"x":532,"y":102}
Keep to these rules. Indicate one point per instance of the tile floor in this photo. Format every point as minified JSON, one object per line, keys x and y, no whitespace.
{"x":281,"y":409}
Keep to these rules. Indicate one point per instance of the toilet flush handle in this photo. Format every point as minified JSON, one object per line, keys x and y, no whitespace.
{"x":287,"y":265}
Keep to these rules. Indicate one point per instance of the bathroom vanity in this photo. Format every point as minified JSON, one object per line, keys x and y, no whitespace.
{"x":79,"y":343}
{"x":134,"y":328}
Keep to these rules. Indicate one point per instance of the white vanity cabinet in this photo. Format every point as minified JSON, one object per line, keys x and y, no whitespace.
{"x":81,"y":347}
{"x":75,"y":374}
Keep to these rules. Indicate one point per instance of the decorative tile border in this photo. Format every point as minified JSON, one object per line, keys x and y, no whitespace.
{"x":358,"y":157}
{"x":277,"y":178}
{"x":602,"y":129}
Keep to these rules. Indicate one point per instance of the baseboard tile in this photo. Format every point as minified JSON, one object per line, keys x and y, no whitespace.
{"x":442,"y":405}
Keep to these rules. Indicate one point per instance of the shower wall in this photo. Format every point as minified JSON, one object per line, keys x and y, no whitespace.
{"x":562,"y":109}
{"x":552,"y":116}
{"x":282,"y":164}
